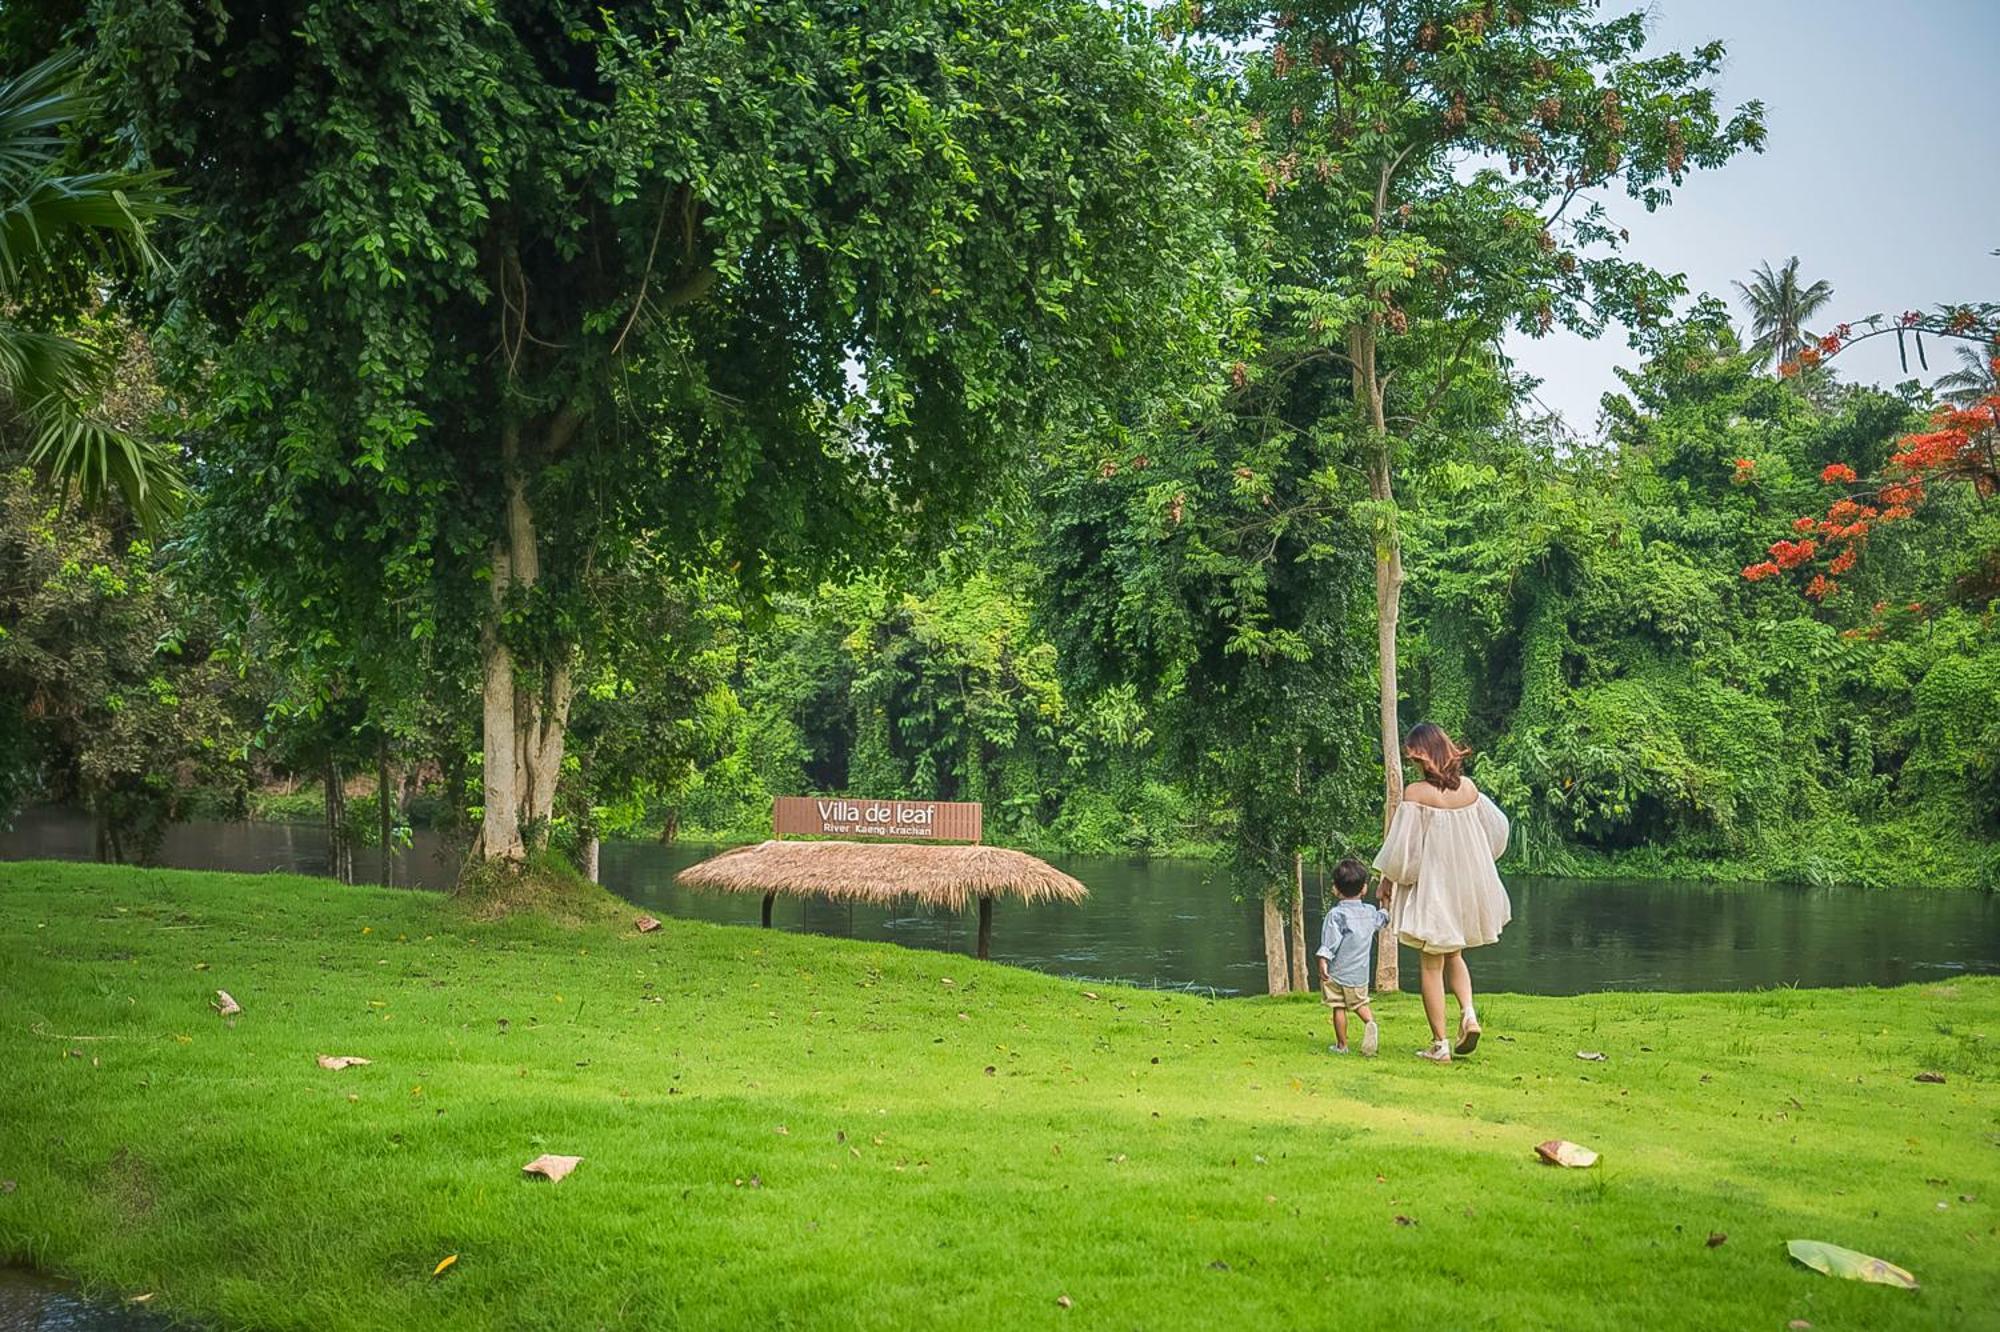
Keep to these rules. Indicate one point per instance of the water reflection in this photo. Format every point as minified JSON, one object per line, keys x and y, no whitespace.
{"x":1172,"y":923}
{"x":30,"y":1302}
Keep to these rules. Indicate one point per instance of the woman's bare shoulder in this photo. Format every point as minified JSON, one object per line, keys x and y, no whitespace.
{"x":1429,"y":796}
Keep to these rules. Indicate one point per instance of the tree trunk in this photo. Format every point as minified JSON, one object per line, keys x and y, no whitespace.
{"x":1274,"y":946}
{"x":385,"y":811}
{"x":1368,"y":390}
{"x":1301,"y":975}
{"x":339,"y":855}
{"x":985,"y":926}
{"x":588,"y":854}
{"x":524,"y":714}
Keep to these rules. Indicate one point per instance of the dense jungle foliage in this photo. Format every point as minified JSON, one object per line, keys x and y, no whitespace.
{"x":1103,"y":513}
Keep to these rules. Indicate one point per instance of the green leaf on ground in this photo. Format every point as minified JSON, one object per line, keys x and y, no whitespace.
{"x":1846,"y":1263}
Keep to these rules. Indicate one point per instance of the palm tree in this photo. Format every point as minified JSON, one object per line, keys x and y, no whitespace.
{"x":1779,"y":308}
{"x":61,"y":231}
{"x":1973,"y":381}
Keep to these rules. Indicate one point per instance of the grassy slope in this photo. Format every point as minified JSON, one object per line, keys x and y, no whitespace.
{"x":783,"y":1130}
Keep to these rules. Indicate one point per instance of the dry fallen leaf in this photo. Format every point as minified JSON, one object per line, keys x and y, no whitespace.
{"x":8,"y":1186}
{"x":1798,"y":1325}
{"x":228,"y":1007}
{"x":1406,"y":1221}
{"x":338,"y":1062}
{"x":1558,"y":1151}
{"x":1928,"y":1076}
{"x":139,"y":1299}
{"x":552,"y":1168}
{"x":443,"y":1263}
{"x":1716,"y":1239}
{"x":1594,"y":1056}
{"x":1836,"y":1261}
{"x":1063,"y":1301}
{"x":646,"y":924}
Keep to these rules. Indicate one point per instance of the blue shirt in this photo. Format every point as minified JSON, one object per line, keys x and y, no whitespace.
{"x":1345,"y":938}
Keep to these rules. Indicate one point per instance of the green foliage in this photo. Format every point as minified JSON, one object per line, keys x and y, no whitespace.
{"x":1643,"y":709}
{"x":110,"y":697}
{"x":542,"y":300}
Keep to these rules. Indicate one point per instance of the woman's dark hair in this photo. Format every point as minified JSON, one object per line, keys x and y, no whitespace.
{"x":1441,"y":758}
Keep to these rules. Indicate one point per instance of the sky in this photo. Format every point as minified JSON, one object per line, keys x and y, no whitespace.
{"x":1880,"y":172}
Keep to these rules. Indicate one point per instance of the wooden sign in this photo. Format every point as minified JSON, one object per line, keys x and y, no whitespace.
{"x":902,"y":820}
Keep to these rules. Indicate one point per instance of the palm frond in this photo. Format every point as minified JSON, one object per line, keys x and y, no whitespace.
{"x":33,"y":107}
{"x":99,"y":459}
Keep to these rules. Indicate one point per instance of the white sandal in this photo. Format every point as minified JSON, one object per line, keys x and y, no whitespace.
{"x":1438,"y":1052}
{"x":1468,"y":1035}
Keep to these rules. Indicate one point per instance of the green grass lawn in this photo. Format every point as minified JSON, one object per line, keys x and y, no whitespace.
{"x":790,"y":1131}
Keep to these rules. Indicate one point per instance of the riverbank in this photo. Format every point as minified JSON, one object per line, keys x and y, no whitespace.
{"x":1916,"y":851}
{"x":779,"y":1128}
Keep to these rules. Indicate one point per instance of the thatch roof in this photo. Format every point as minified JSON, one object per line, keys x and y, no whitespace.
{"x":883,"y":872}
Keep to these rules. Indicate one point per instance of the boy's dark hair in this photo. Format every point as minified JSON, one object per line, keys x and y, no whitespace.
{"x":1350,"y":877}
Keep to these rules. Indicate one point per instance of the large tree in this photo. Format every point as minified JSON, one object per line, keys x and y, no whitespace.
{"x":1442,"y":170}
{"x":1779,"y":305}
{"x":484,"y":298}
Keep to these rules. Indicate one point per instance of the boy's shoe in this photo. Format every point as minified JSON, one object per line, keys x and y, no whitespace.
{"x":1468,"y":1034}
{"x":1438,"y":1052}
{"x":1336,"y":1049}
{"x":1371,"y":1040}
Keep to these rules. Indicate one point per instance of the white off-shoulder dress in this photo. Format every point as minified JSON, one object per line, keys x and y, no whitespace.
{"x":1448,"y":895}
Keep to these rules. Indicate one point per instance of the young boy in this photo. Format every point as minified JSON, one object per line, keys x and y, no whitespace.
{"x":1346,"y":949}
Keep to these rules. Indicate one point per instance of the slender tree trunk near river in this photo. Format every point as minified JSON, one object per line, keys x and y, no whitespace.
{"x":339,"y":849}
{"x":525,"y":711}
{"x":1369,"y":387}
{"x":1301,"y":978}
{"x":385,"y":811}
{"x":1275,"y":978}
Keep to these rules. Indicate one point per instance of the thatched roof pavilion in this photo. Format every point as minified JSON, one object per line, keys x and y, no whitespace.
{"x":882,"y":873}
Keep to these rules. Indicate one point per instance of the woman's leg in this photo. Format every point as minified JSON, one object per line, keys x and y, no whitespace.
{"x":1432,"y":982}
{"x":1460,"y":979}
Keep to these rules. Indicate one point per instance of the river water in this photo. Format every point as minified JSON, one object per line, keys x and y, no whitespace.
{"x":1173,"y":923}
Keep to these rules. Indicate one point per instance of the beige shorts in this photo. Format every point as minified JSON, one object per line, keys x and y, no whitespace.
{"x":1343,"y":996}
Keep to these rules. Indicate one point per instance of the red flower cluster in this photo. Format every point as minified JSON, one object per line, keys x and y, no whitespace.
{"x":1746,"y":468}
{"x":1791,"y":554}
{"x":1961,"y":445}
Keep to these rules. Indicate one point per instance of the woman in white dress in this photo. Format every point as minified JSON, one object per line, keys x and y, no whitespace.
{"x":1440,"y":852}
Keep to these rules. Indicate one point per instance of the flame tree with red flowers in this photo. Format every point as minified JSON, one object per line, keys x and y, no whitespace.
{"x":1961,"y":447}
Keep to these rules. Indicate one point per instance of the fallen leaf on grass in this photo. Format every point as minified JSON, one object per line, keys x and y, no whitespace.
{"x":8,"y":1186}
{"x":228,"y":1007}
{"x":1846,"y":1263}
{"x":646,"y":924}
{"x":551,"y":1168}
{"x":1406,"y":1220}
{"x":338,"y":1062}
{"x":1716,"y":1239}
{"x":139,"y":1299}
{"x":1594,"y":1056}
{"x":1063,"y":1301}
{"x":1797,"y":1325}
{"x":1558,"y":1151}
{"x":1928,"y":1076}
{"x":443,"y":1263}
{"x":1088,"y":995}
